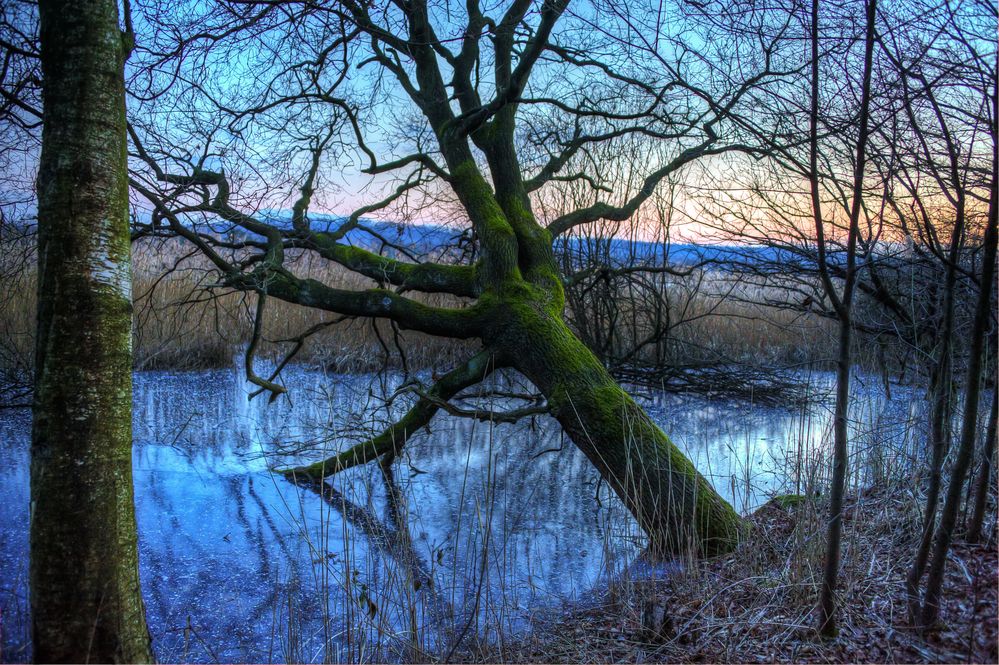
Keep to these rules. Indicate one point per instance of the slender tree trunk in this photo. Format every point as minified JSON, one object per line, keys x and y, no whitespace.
{"x":969,"y":423}
{"x":985,"y":475}
{"x":939,"y":440}
{"x":677,"y":507}
{"x":85,"y":598}
{"x":843,"y":304}
{"x":837,"y":492}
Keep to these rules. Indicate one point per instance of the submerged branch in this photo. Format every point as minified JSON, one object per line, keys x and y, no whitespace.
{"x":488,"y":415}
{"x":392,"y":439}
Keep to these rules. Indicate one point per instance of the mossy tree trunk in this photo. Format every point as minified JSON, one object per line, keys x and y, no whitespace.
{"x":674,"y":503}
{"x":522,"y":326}
{"x":86,"y":604}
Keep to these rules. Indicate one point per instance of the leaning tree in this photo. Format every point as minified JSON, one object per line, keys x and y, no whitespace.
{"x":479,"y":115}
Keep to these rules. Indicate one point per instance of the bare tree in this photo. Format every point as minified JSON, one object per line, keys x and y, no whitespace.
{"x":842,"y":301}
{"x":973,"y":382}
{"x":921,"y":207}
{"x":472,"y":80}
{"x":942,"y":169}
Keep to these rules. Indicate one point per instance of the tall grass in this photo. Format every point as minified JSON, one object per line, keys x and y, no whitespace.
{"x":184,"y":320}
{"x":17,"y":317}
{"x":704,"y":318}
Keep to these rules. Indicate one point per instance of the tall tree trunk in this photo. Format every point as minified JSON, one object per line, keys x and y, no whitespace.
{"x":969,"y":422}
{"x":940,"y":391}
{"x":985,"y":475}
{"x":837,"y":492}
{"x":676,"y":505}
{"x":85,"y":598}
{"x":843,"y":304}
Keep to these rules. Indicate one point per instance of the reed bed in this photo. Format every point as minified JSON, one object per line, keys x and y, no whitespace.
{"x":184,"y":320}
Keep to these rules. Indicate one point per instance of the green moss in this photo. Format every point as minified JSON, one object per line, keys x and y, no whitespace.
{"x":789,"y":500}
{"x":499,"y":242}
{"x":430,"y":277}
{"x":85,"y":597}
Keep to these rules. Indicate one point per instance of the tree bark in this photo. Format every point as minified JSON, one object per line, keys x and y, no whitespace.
{"x":837,"y":490}
{"x":984,"y":483}
{"x":676,"y":506}
{"x":85,"y":597}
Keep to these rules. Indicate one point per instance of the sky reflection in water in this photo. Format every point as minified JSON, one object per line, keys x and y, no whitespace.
{"x":486,"y":523}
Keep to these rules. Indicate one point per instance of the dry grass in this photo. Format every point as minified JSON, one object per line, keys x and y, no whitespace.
{"x":17,"y":319}
{"x":757,"y":604}
{"x":182,"y":321}
{"x":723,"y":320}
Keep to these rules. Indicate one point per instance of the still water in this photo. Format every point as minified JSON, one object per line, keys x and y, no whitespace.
{"x":482,"y":524}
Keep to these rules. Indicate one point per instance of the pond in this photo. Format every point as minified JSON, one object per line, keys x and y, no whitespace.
{"x":482,"y":526}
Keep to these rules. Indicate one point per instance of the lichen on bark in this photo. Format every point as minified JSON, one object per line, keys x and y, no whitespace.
{"x":86,"y":602}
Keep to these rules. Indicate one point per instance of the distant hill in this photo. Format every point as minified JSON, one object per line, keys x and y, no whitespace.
{"x":428,"y":239}
{"x":435,"y":240}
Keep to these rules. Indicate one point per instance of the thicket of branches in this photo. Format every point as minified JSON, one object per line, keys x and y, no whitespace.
{"x":855,"y":141}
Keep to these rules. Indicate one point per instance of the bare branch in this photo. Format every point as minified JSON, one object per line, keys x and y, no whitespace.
{"x":391,"y":441}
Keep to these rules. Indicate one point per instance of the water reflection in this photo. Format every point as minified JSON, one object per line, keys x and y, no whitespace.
{"x":478,"y":526}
